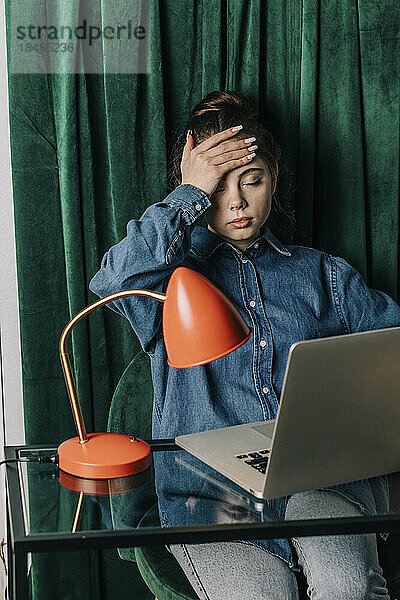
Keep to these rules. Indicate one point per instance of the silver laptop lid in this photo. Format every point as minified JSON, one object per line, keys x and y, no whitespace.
{"x":339,"y":415}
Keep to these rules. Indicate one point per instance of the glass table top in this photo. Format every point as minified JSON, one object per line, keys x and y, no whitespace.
{"x":178,"y":490}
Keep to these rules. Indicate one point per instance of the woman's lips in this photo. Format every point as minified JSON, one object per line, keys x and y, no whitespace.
{"x":240,"y":224}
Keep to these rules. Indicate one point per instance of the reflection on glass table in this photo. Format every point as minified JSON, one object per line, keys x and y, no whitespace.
{"x":189,"y":493}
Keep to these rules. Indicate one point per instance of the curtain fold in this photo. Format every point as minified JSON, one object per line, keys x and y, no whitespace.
{"x":90,"y":152}
{"x":379,"y":52}
{"x":307,"y":119}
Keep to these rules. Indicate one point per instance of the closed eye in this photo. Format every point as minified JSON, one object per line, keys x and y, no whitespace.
{"x":253,"y":182}
{"x":250,"y":183}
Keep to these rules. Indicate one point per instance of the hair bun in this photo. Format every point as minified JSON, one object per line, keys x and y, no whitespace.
{"x":225,"y":100}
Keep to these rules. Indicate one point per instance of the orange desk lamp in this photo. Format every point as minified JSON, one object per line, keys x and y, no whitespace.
{"x":200,"y":324}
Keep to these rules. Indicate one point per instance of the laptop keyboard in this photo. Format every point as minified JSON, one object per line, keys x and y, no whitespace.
{"x":258,"y":459}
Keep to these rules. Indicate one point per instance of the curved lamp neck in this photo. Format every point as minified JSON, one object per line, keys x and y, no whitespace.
{"x":69,"y":379}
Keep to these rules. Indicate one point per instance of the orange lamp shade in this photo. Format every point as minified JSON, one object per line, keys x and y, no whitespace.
{"x":200,"y":324}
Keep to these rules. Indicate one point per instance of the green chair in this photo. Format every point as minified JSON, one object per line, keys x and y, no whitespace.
{"x":131,"y":413}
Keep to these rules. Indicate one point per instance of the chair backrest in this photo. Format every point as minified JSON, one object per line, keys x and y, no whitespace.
{"x":132,"y":402}
{"x":130,"y":413}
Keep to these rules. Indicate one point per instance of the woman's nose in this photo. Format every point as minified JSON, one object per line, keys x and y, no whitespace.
{"x":237,"y":201}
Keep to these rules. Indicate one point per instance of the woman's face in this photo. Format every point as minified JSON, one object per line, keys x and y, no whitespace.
{"x":243,"y":193}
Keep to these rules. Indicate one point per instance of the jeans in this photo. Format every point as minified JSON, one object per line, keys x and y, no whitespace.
{"x":341,"y":567}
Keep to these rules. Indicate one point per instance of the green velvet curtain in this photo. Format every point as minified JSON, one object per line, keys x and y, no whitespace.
{"x":90,"y":152}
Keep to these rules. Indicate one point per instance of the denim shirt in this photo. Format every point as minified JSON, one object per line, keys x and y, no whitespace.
{"x":284,"y":293}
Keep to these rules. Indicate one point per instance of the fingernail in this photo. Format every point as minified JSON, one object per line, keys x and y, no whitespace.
{"x":248,"y":140}
{"x":237,"y":127}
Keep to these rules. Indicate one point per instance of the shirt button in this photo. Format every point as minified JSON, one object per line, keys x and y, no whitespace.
{"x":245,"y":260}
{"x":179,"y":232}
{"x":197,"y":206}
{"x":256,"y":245}
{"x":265,"y":390}
{"x":263,"y":343}
{"x":252,"y":303}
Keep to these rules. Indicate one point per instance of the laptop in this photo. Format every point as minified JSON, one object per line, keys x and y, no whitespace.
{"x":338,"y":420}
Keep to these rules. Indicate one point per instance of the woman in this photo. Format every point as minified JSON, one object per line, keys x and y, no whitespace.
{"x":285,"y":294}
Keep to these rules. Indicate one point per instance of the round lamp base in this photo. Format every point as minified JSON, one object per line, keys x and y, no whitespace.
{"x":104,"y":456}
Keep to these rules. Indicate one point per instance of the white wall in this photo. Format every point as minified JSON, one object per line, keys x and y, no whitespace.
{"x":12,"y":422}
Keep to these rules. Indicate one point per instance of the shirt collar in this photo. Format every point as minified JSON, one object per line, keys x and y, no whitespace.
{"x":205,"y":242}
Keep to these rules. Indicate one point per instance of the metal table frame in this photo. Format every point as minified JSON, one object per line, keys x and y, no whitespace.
{"x":20,"y":544}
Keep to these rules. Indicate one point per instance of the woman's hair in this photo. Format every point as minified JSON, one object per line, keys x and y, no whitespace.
{"x":220,"y":110}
